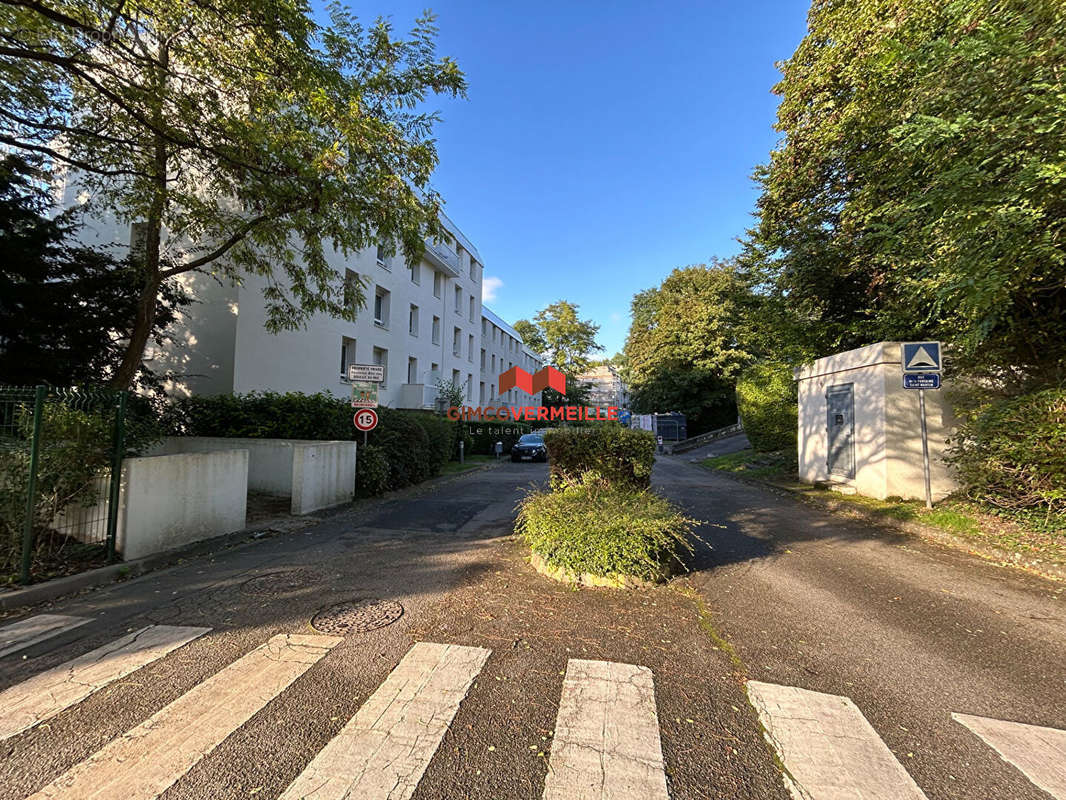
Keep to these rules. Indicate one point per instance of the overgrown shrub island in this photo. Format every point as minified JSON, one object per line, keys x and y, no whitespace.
{"x":600,"y":522}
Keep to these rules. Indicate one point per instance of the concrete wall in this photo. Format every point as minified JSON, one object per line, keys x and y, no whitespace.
{"x":314,"y":474}
{"x":888,"y":447}
{"x":323,"y":475}
{"x":173,"y":500}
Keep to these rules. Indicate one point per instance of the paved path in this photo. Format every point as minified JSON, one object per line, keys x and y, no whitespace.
{"x":830,"y":662}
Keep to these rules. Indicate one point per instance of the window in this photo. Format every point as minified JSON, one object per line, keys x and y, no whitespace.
{"x":384,"y":260}
{"x":436,"y":330}
{"x":495,"y":330}
{"x":470,"y":348}
{"x":381,"y":307}
{"x":412,"y":370}
{"x":469,"y":386}
{"x":458,"y":300}
{"x":416,"y":273}
{"x":493,"y":362}
{"x":472,"y":304}
{"x":352,"y":285}
{"x":434,"y":372}
{"x":492,"y":390}
{"x":347,"y":355}
{"x":481,"y":392}
{"x":457,"y":342}
{"x":473,"y":269}
{"x":382,"y":357}
{"x":482,"y":358}
{"x":412,"y":320}
{"x":455,"y":377}
{"x":438,"y":282}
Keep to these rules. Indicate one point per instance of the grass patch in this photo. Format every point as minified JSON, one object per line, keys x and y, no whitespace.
{"x":471,"y":462}
{"x":777,"y":464}
{"x":607,"y":531}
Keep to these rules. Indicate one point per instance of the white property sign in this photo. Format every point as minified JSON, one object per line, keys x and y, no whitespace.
{"x":373,"y":373}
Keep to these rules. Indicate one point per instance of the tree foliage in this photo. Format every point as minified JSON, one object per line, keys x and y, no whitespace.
{"x":687,"y":343}
{"x":64,"y":308}
{"x":243,"y":137}
{"x":567,"y":342}
{"x":919,"y":187}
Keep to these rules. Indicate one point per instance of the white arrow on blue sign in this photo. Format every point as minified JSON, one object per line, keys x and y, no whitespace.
{"x":921,"y":357}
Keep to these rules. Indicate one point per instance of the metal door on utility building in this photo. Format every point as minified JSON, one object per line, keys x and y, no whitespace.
{"x":840,"y":428}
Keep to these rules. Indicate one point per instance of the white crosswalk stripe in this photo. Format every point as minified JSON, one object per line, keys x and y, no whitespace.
{"x":1040,"y":753}
{"x":828,"y":748}
{"x":606,"y":742}
{"x":20,"y":635}
{"x":142,"y":763}
{"x":382,"y":753}
{"x":43,"y":696}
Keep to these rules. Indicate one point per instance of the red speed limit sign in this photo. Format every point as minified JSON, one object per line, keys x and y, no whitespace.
{"x":366,"y":419}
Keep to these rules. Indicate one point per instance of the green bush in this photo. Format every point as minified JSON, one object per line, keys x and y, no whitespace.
{"x":372,"y":472}
{"x":617,"y":456}
{"x":607,"y":531}
{"x":766,"y":400}
{"x":1011,"y":452}
{"x":413,"y":445}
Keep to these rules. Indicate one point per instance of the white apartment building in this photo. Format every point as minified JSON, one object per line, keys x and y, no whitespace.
{"x":422,"y":322}
{"x":501,"y":349}
{"x":606,"y":387}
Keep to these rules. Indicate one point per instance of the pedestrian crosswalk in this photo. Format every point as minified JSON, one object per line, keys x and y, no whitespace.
{"x":606,"y":741}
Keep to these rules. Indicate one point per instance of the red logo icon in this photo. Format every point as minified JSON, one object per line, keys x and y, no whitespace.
{"x":366,"y":419}
{"x":547,"y":378}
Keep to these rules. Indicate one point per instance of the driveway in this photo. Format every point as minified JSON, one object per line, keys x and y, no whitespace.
{"x":405,"y":648}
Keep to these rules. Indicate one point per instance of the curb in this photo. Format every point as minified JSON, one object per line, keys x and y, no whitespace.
{"x":990,"y":553}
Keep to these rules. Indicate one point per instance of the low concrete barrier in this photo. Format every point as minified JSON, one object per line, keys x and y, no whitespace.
{"x":172,"y":500}
{"x":702,"y":439}
{"x":314,"y":474}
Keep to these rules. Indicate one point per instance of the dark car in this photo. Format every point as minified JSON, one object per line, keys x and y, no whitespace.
{"x":530,"y":448}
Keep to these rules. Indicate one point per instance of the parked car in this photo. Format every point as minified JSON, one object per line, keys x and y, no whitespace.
{"x":530,"y":448}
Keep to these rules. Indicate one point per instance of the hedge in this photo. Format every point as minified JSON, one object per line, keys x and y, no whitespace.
{"x":617,"y":456}
{"x":1011,"y":452}
{"x":766,"y":400}
{"x":612,"y":532}
{"x":412,"y":445}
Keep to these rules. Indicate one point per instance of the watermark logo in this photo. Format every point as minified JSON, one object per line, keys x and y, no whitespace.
{"x":547,"y":378}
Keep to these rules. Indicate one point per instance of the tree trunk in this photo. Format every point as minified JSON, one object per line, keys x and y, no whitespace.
{"x":153,"y":278}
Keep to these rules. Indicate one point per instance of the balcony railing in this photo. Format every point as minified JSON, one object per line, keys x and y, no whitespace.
{"x":443,"y":257}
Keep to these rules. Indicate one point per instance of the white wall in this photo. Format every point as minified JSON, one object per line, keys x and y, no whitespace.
{"x":169,"y":501}
{"x":888,"y":449}
{"x":314,"y":474}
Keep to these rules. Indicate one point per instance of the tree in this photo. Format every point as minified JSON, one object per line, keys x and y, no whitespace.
{"x":568,"y":341}
{"x":531,"y":336}
{"x":64,"y":309}
{"x":241,"y":137}
{"x":688,"y":342}
{"x":919,"y":188}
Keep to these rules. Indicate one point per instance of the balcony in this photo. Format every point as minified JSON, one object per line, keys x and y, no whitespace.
{"x":442,"y":257}
{"x":418,"y":395}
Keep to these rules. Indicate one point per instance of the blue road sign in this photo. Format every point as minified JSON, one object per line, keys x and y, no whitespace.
{"x":921,"y":380}
{"x":921,"y":357}
{"x":624,"y":416}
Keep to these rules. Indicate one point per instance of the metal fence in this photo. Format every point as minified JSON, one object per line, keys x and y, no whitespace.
{"x":61,"y":453}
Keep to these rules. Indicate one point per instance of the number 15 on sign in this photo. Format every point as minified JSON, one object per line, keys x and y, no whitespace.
{"x":365,"y":419}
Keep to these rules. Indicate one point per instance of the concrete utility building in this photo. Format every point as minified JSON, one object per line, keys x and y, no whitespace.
{"x":860,"y":430}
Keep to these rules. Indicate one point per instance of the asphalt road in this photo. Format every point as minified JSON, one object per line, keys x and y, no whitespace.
{"x":785,"y":595}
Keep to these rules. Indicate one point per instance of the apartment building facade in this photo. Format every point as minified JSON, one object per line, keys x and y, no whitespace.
{"x":606,"y":387}
{"x":502,"y":348}
{"x":422,"y":322}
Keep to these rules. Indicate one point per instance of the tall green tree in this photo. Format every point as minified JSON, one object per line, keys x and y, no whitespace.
{"x":558,"y":332}
{"x":688,"y":341}
{"x":920,"y":186}
{"x":240,"y":136}
{"x":64,"y":308}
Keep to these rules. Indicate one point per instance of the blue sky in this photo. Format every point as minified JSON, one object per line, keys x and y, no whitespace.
{"x":603,"y":144}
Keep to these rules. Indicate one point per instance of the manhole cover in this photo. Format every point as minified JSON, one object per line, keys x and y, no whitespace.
{"x":283,"y":582}
{"x":356,"y":616}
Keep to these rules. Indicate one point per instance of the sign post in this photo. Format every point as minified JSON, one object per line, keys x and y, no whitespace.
{"x":921,"y":370}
